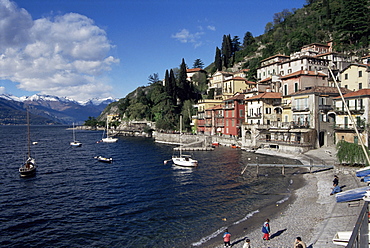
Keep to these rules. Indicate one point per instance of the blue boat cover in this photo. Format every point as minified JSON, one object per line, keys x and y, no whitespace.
{"x":363,"y":172}
{"x":352,"y":194}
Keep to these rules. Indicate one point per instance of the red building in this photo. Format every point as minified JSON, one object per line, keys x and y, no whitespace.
{"x":234,"y":112}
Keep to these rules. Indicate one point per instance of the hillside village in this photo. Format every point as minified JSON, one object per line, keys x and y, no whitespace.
{"x":294,"y":106}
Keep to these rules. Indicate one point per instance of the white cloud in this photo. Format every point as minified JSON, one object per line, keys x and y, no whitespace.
{"x":185,"y":36}
{"x":64,"y":55}
{"x":2,"y":89}
{"x":212,"y":28}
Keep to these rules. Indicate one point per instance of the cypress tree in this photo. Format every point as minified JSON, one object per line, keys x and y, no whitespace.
{"x":218,"y":61}
{"x":183,"y":86}
{"x":173,"y":88}
{"x":226,"y":50}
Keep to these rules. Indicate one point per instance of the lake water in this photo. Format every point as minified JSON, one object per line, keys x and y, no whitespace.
{"x":137,"y":201}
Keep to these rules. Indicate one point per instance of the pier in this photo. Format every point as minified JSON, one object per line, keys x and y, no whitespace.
{"x":194,"y":148}
{"x":283,"y":166}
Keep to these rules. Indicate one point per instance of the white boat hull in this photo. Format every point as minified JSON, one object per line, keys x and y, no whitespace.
{"x":109,"y":140}
{"x":104,"y":160}
{"x":28,"y":169}
{"x":75,"y":143}
{"x":185,"y":161}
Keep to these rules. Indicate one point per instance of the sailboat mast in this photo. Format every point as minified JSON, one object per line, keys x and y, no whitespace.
{"x":28,"y":134}
{"x":73,"y":131}
{"x":107,"y":128}
{"x":180,"y":135}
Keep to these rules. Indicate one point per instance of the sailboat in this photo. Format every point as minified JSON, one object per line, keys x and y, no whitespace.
{"x":109,"y":139}
{"x":28,"y":169}
{"x":181,"y":159}
{"x":75,"y":143}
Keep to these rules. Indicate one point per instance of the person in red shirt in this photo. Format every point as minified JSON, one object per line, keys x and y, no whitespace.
{"x":227,"y":237}
{"x":266,"y":230}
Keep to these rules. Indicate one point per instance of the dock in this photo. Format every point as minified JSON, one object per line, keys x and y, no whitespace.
{"x":283,"y":166}
{"x":194,"y":148}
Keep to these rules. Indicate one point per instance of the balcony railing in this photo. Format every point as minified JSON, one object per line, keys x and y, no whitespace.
{"x":300,"y":109}
{"x":325,"y":107}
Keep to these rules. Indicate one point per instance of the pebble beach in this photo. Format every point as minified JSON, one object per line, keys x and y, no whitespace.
{"x":310,"y":213}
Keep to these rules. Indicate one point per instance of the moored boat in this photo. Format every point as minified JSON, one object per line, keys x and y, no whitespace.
{"x":104,"y":160}
{"x":181,"y":159}
{"x":28,"y":169}
{"x":75,"y":143}
{"x":108,"y":139}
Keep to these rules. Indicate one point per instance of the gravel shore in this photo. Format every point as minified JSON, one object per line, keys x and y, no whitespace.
{"x":308,"y":214}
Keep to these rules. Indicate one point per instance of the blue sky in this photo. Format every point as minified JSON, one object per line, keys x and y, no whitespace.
{"x":99,"y":48}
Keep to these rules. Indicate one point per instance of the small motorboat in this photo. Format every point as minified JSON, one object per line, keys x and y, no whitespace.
{"x":104,"y":160}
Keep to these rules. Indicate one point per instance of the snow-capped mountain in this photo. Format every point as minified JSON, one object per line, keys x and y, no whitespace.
{"x":61,"y":109}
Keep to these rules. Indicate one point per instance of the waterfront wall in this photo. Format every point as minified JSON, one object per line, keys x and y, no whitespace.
{"x":195,"y":140}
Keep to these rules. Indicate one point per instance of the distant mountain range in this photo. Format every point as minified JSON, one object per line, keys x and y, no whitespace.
{"x":47,"y":109}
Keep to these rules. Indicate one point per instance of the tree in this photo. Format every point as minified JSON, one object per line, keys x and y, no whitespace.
{"x":187,"y":113}
{"x":91,"y":122}
{"x":218,"y":60}
{"x":268,"y":27}
{"x":226,"y":50}
{"x":173,"y":86}
{"x":198,"y":64}
{"x":183,"y":91}
{"x":153,"y":78}
{"x":235,"y":44}
{"x":353,"y":21}
{"x":248,"y":39}
{"x":350,"y":153}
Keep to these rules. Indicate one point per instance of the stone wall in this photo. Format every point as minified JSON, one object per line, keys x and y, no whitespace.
{"x":195,"y":140}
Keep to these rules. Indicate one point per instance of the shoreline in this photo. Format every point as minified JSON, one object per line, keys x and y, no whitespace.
{"x":253,"y":223}
{"x":304,"y":214}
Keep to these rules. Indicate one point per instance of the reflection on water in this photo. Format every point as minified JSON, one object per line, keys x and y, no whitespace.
{"x":182,"y":175}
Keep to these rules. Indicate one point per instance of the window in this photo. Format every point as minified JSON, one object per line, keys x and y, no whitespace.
{"x":295,"y":87}
{"x":360,"y":86}
{"x":285,"y":89}
{"x":268,"y":110}
{"x":346,"y":76}
{"x":359,"y":73}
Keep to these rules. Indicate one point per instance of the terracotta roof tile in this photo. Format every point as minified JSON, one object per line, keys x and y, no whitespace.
{"x":304,"y":73}
{"x":265,"y":95}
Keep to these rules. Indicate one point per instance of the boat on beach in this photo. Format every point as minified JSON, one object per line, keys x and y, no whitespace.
{"x":28,"y":169}
{"x":352,"y":194}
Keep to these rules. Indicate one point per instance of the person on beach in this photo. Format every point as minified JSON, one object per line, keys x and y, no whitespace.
{"x":335,"y":190}
{"x":336,"y":180}
{"x":299,"y":243}
{"x":227,"y":237}
{"x":266,"y":230}
{"x":247,"y":243}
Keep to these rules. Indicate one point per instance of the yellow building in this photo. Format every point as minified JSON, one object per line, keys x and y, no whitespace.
{"x":355,"y":77}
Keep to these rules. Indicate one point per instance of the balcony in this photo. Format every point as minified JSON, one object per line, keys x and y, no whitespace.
{"x":304,"y":124}
{"x":325,"y":107}
{"x":300,"y":109}
{"x":348,"y":127}
{"x":354,"y":110}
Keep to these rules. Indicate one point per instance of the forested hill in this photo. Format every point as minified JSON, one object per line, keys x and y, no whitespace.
{"x":344,"y":22}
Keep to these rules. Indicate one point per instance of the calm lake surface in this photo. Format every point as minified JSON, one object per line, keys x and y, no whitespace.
{"x":137,"y":201}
